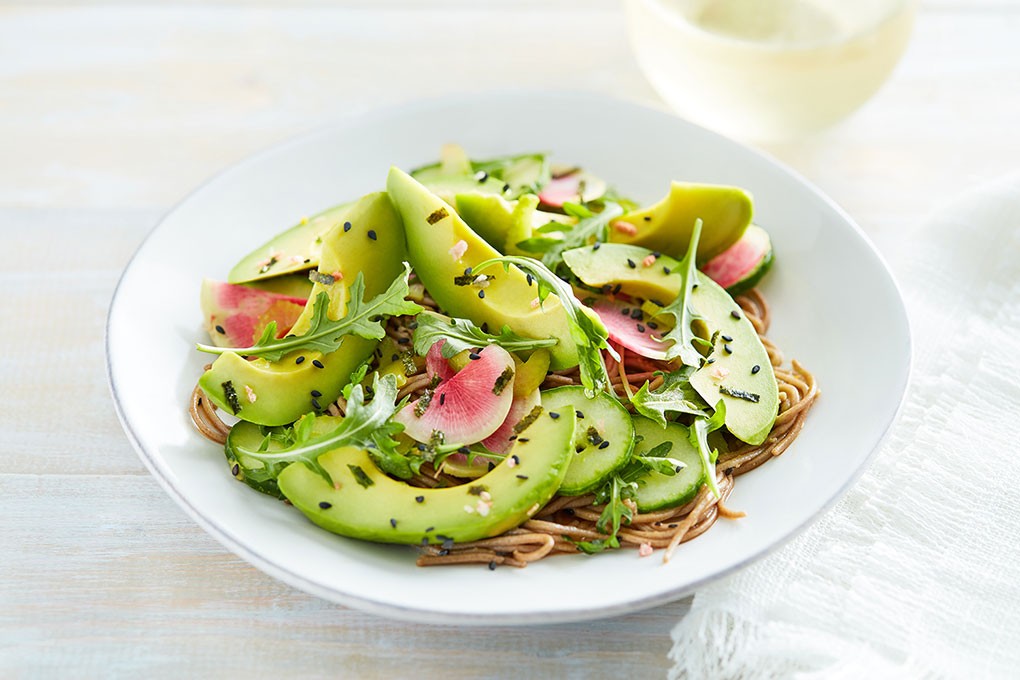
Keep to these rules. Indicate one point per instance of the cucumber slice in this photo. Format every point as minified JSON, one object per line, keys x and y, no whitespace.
{"x":249,"y":436}
{"x":603,"y":437}
{"x":656,"y":490}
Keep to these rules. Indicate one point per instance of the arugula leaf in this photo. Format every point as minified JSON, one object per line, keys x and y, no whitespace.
{"x":587,"y":332}
{"x":591,"y":227}
{"x":364,"y":425}
{"x":364,"y":319}
{"x":682,"y":334}
{"x":461,"y":334}
{"x":699,"y":439}
{"x":612,"y":494}
{"x":674,"y":395}
{"x":657,"y":460}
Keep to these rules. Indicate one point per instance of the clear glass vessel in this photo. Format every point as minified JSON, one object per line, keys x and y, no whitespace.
{"x":768,"y":70}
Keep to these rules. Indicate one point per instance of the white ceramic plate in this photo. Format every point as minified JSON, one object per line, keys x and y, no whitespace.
{"x":836,"y":308}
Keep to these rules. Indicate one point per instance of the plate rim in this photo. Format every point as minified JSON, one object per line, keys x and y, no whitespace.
{"x":155,"y":465}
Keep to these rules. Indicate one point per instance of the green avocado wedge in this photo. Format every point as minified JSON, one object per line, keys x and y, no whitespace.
{"x":364,"y":503}
{"x":279,"y":392}
{"x":666,"y":226}
{"x":504,"y":224}
{"x":442,"y":247}
{"x":740,"y":372}
{"x":295,"y":249}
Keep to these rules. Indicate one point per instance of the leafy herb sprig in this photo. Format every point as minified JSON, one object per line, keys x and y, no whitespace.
{"x":675,"y":395}
{"x":591,"y":227}
{"x":462,"y":334}
{"x":681,"y":336}
{"x":363,"y":318}
{"x":698,"y":437}
{"x":365,"y":424}
{"x":587,"y":332}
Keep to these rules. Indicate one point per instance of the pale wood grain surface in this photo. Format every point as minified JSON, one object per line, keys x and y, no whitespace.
{"x":110,"y":114}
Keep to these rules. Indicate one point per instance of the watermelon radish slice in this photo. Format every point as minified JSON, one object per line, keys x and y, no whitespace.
{"x":629,"y":326}
{"x":235,"y":315}
{"x":499,"y":441}
{"x":466,"y":406}
{"x":740,"y":267}
{"x":567,"y":188}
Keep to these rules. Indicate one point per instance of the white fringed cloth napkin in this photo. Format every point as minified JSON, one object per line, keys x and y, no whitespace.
{"x":916,"y":572}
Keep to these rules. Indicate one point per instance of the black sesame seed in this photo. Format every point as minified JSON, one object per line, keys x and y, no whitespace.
{"x":616,"y":288}
{"x":598,"y":244}
{"x":656,"y":254}
{"x":425,"y":542}
{"x":506,"y":187}
{"x":465,"y":450}
{"x":735,"y":314}
{"x":515,"y":459}
{"x":219,"y":329}
{"x":625,"y":311}
{"x":710,"y":361}
{"x":315,"y":405}
{"x":429,"y":530}
{"x":236,"y":470}
{"x":393,"y":523}
{"x":447,"y":542}
{"x":467,"y":271}
{"x":442,"y":398}
{"x":658,"y":303}
{"x":481,"y":293}
{"x":403,"y":341}
{"x":580,"y":414}
{"x":694,"y":287}
{"x":640,"y":328}
{"x":317,"y":363}
{"x":422,"y":447}
{"x":726,"y":338}
{"x":666,"y":270}
{"x":481,"y":176}
{"x":531,"y":279}
{"x":604,"y":444}
{"x":647,"y":218}
{"x":394,"y":356}
{"x":554,"y":415}
{"x":631,"y":263}
{"x":316,"y":393}
{"x":474,"y":356}
{"x":512,"y":437}
{"x":492,"y":466}
{"x":419,"y":499}
{"x":672,"y":526}
{"x":299,"y":360}
{"x":347,"y":226}
{"x":755,"y":369}
{"x":727,"y":349}
{"x":522,"y":476}
{"x":653,"y":325}
{"x":637,"y":313}
{"x":492,"y":565}
{"x":444,"y":552}
{"x":372,"y":234}
{"x":325,"y":505}
{"x":523,"y":439}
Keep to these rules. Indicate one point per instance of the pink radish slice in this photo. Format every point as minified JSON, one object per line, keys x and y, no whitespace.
{"x":626,"y":330}
{"x":464,"y":406}
{"x":739,"y":260}
{"x":561,"y":190}
{"x":499,"y":441}
{"x":435,"y":364}
{"x":236,"y":315}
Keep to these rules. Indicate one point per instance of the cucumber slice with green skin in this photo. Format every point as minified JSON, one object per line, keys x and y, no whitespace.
{"x":603,"y":438}
{"x":741,"y":266}
{"x":655,"y":490}
{"x":249,"y":436}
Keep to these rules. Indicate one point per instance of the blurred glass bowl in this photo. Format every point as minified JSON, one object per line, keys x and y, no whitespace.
{"x":768,"y":70}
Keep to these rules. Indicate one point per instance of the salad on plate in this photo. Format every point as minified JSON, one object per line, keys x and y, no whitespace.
{"x":502,"y":360}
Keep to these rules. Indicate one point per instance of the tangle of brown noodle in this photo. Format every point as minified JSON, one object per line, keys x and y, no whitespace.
{"x":565,"y":519}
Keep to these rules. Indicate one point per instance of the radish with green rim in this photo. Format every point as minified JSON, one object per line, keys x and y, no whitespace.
{"x":741,"y":266}
{"x":235,"y":315}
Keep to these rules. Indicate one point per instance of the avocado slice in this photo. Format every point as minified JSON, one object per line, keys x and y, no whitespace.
{"x":295,"y":249}
{"x":364,"y":503}
{"x":504,"y":224}
{"x":508,"y":176}
{"x":441,"y":247}
{"x":740,"y":372}
{"x":666,"y":226}
{"x":276,"y":393}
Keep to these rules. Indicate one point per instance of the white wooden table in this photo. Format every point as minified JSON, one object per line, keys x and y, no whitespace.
{"x":110,"y":114}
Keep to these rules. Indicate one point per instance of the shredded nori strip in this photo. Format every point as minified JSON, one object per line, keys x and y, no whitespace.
{"x":360,"y":477}
{"x":230,"y":394}
{"x":437,"y":215}
{"x":407,"y":358}
{"x":527,"y":420}
{"x":503,"y":380}
{"x":477,"y":489}
{"x":594,"y":438}
{"x":425,"y":399}
{"x":740,"y":394}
